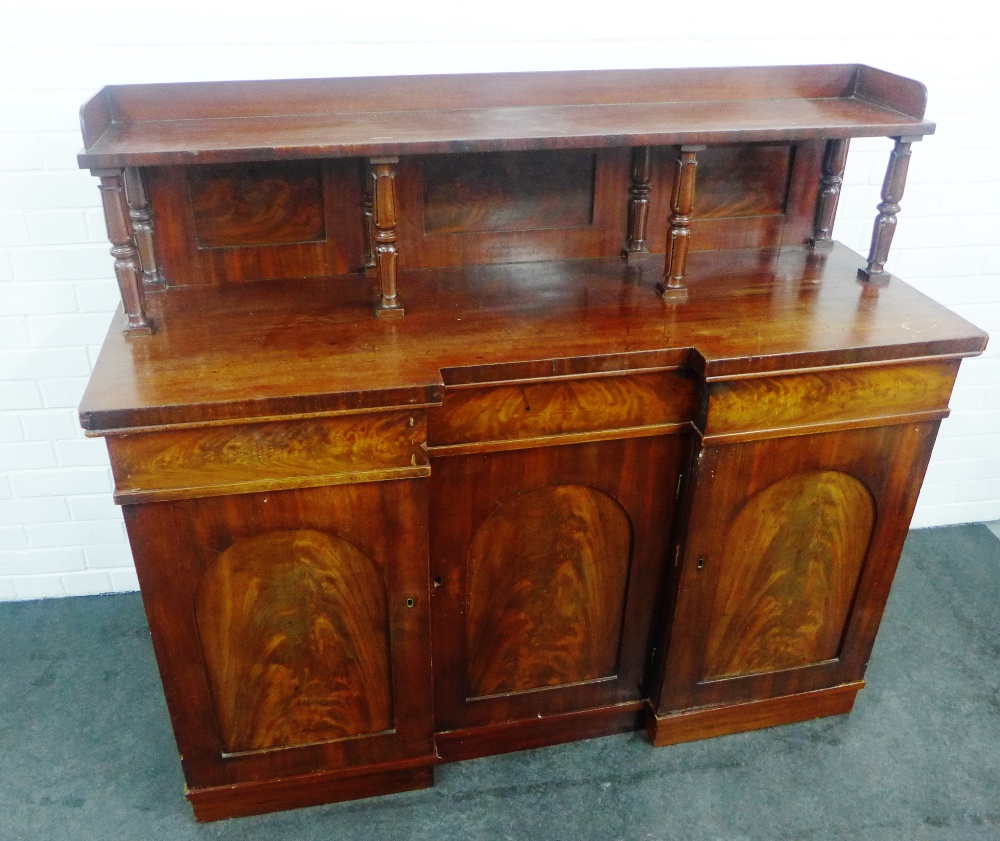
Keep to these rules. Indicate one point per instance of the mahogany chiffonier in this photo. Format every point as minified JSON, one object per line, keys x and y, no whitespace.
{"x":463,"y":414}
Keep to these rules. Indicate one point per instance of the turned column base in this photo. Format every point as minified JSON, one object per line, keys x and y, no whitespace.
{"x":875,"y":278}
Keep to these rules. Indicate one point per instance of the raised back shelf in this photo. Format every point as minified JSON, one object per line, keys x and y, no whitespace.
{"x":311,"y":178}
{"x":217,"y":122}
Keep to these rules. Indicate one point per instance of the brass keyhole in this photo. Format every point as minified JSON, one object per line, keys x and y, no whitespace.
{"x":409,"y":602}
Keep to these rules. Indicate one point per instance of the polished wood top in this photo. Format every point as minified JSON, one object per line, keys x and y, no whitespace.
{"x":213,"y":122}
{"x":281,"y":348}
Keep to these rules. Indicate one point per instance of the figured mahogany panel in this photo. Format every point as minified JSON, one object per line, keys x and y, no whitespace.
{"x":786,"y":564}
{"x":512,"y":207}
{"x":776,"y":405}
{"x":508,"y":191}
{"x":787,"y":574}
{"x":214,"y":460}
{"x":748,"y":196}
{"x":749,"y":180}
{"x":296,"y":619}
{"x":547,"y":565}
{"x":256,"y":204}
{"x":552,"y":407}
{"x":294,"y":632}
{"x":231,"y":223}
{"x":547,"y":576}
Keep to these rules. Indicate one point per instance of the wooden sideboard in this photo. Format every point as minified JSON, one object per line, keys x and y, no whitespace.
{"x":464,"y":414}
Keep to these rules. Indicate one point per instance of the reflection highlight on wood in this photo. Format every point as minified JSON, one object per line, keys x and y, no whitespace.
{"x":293,"y":627}
{"x":548,"y":571}
{"x":787,"y":574}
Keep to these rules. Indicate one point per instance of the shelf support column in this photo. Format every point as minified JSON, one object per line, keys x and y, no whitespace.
{"x":127,"y":264}
{"x":885,"y":222}
{"x":638,"y":202}
{"x":681,"y":209}
{"x":834,"y":162}
{"x":383,"y":177}
{"x":141,"y":215}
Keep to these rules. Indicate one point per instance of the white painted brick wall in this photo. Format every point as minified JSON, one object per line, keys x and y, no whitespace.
{"x":60,"y":533}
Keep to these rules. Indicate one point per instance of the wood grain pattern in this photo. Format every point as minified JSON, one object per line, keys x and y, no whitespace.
{"x":508,"y":191}
{"x":466,"y":492}
{"x":548,"y":571}
{"x":727,"y":187}
{"x":788,"y":572}
{"x":808,"y":502}
{"x":533,"y":409}
{"x":773,"y":406}
{"x":176,"y":543}
{"x":749,"y":180}
{"x":265,"y":242}
{"x":256,"y":204}
{"x":565,"y":204}
{"x":294,"y":632}
{"x":210,"y":461}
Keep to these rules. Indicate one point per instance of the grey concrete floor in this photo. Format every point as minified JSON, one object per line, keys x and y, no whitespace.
{"x":86,"y":750}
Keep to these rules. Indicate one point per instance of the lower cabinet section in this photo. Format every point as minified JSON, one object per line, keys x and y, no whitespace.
{"x":547,"y":567}
{"x":333,"y":642}
{"x":292,"y":634}
{"x":784,"y":574}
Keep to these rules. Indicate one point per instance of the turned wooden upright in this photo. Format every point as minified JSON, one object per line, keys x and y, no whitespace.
{"x":642,"y":451}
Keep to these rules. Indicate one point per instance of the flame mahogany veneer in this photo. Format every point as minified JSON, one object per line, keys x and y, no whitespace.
{"x":465,"y":414}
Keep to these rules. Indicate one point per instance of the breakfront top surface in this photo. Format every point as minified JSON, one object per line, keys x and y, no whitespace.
{"x":312,"y":346}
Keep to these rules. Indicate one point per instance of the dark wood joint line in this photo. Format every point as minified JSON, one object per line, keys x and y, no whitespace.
{"x":384,"y":220}
{"x":834,"y":162}
{"x":679,"y":235}
{"x":885,"y":222}
{"x":638,"y":202}
{"x":128,"y":268}
{"x":368,"y":217}
{"x":143,"y":229}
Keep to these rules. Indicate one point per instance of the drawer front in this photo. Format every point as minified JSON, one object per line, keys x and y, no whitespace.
{"x":245,"y":458}
{"x":517,"y":411}
{"x":807,"y":402}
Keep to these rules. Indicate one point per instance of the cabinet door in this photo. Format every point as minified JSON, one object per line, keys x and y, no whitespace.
{"x":291,"y":627}
{"x":787,"y":565}
{"x":547,"y":566}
